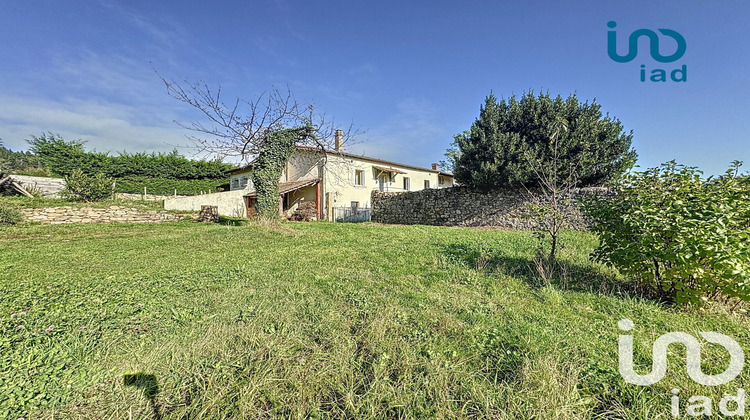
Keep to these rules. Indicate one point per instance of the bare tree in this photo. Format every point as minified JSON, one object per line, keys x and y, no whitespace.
{"x":240,"y":127}
{"x":265,"y":131}
{"x":550,"y":201}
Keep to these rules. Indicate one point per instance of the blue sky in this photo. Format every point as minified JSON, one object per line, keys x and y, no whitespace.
{"x":408,"y":74}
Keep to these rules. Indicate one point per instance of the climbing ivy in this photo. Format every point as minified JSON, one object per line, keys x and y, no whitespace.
{"x":275,"y":152}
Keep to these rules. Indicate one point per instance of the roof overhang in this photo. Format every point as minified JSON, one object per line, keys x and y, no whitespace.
{"x":388,"y":170}
{"x":287,"y":187}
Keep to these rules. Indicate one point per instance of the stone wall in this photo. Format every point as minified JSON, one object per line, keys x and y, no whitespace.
{"x":112,"y":214}
{"x":460,"y":206}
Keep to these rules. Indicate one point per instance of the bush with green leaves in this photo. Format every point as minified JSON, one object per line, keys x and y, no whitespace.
{"x":82,"y":187}
{"x":683,"y":237}
{"x":10,"y":215}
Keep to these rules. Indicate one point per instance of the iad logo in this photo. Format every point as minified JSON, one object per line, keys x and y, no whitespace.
{"x":657,"y":75}
{"x":692,"y":357}
{"x":700,"y":405}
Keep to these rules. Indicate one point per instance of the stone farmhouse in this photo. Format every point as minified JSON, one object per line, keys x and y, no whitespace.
{"x":320,"y":183}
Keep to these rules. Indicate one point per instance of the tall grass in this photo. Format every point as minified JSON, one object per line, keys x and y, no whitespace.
{"x":318,"y":320}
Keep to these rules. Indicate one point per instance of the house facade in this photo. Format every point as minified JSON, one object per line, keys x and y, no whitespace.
{"x":317,"y":182}
{"x":334,"y":179}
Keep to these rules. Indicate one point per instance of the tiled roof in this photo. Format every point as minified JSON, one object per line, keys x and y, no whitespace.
{"x":353,"y":156}
{"x":285,"y":187}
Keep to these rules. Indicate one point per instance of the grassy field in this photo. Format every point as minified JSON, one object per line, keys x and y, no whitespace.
{"x":318,"y":320}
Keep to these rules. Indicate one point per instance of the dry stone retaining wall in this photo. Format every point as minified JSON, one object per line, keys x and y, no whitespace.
{"x":112,"y":214}
{"x":460,"y":206}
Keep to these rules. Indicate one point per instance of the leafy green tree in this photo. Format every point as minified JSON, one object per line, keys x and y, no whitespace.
{"x":507,"y":135}
{"x":684,"y":238}
{"x":20,"y":162}
{"x":452,"y":154}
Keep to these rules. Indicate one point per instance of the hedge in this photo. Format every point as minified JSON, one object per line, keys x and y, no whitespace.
{"x":159,"y":186}
{"x":62,"y":157}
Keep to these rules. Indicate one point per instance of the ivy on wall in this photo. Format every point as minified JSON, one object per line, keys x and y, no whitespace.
{"x":275,"y":152}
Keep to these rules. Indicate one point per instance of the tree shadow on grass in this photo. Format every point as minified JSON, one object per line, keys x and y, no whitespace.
{"x":150,"y":387}
{"x":537,"y":271}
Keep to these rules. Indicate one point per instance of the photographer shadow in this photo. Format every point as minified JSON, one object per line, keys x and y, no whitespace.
{"x":150,"y":387}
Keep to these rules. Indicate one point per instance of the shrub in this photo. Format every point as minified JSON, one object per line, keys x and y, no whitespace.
{"x":10,"y":216}
{"x":684,"y":238}
{"x":82,"y":187}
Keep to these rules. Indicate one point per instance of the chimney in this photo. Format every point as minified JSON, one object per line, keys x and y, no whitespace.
{"x":339,"y":140}
{"x":434,"y":166}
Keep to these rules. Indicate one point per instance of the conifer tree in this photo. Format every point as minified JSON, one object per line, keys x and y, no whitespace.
{"x":495,"y":152}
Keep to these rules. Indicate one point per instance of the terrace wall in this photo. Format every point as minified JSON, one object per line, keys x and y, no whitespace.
{"x":112,"y":214}
{"x":460,"y":206}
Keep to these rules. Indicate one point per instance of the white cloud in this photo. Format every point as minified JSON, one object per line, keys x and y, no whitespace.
{"x":104,"y":126}
{"x":113,"y":102}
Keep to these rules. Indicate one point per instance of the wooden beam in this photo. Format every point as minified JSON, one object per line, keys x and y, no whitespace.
{"x":319,"y":199}
{"x":21,"y":189}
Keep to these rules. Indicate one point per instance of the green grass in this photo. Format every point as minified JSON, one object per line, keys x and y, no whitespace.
{"x":27,"y":202}
{"x":318,"y":320}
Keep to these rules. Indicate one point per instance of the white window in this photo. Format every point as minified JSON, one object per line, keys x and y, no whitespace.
{"x":243,"y":182}
{"x":235,"y":183}
{"x":359,"y":177}
{"x":355,"y":204}
{"x":407,"y":184}
{"x":427,"y":184}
